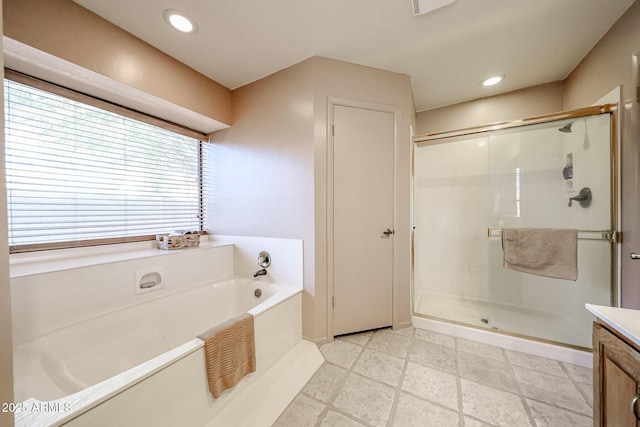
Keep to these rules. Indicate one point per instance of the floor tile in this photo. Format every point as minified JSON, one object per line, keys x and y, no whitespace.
{"x":551,"y":416}
{"x":390,"y":343}
{"x":302,"y":412}
{"x":537,"y":363}
{"x":335,"y":419}
{"x":360,"y":339}
{"x":405,"y":332}
{"x":325,"y":382}
{"x":413,"y":377}
{"x":587,"y":391}
{"x":412,"y":412}
{"x":490,"y":372}
{"x":380,"y":366}
{"x":480,"y":349}
{"x":340,"y":353}
{"x":493,"y":406}
{"x":551,"y":389}
{"x":433,"y":355}
{"x":580,"y":374}
{"x":431,"y":384}
{"x":366,"y":400}
{"x":471,"y":422}
{"x":436,"y":338}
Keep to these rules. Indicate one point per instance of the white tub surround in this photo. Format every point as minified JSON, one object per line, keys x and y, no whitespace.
{"x":624,"y":320}
{"x":113,"y":357}
{"x":52,"y":289}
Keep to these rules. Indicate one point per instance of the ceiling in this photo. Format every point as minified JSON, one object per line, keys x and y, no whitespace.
{"x":446,"y":52}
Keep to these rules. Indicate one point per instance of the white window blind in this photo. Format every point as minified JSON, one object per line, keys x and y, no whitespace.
{"x":81,"y":175}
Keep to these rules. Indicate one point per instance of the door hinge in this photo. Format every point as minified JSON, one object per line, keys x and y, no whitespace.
{"x":333,"y":130}
{"x":333,"y":302}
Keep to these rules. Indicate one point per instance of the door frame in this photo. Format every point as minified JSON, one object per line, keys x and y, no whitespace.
{"x":332,"y":102}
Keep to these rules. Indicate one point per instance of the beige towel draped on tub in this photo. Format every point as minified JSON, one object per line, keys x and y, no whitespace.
{"x":230,"y":352}
{"x":546,"y":252}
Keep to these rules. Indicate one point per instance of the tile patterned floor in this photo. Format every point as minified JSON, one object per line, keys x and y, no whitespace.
{"x":413,"y":377}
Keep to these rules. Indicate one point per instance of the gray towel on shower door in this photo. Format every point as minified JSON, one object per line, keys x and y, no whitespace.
{"x":548,"y":252}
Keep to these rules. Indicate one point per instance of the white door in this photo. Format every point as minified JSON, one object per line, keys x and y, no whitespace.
{"x":363,"y":146}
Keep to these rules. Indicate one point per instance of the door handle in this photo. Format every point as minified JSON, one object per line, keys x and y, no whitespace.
{"x":388,"y":232}
{"x":634,"y":255}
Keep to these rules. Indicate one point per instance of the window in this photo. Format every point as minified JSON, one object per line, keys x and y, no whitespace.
{"x":79,"y":174}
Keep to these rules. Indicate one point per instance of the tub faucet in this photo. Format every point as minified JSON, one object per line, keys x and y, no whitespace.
{"x":261,"y":272}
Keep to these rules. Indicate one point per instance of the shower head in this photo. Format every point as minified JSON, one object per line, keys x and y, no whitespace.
{"x":566,"y":128}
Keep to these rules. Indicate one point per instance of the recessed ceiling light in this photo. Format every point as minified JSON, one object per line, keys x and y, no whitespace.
{"x":180,"y":21}
{"x":492,"y":81}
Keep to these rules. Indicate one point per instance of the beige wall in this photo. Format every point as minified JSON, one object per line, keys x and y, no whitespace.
{"x":273,"y":173}
{"x":6,"y":345}
{"x":608,"y":65}
{"x":529,"y":102}
{"x":68,"y":31}
{"x":264,"y":168}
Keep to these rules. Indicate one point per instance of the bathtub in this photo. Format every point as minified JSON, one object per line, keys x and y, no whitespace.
{"x":143,"y":365}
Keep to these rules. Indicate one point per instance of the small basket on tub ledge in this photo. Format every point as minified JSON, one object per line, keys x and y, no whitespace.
{"x":178,"y":240}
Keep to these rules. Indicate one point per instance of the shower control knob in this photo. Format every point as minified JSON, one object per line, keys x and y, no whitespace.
{"x":634,"y":255}
{"x":388,"y":232}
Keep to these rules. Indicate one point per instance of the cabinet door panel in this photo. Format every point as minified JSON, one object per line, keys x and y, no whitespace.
{"x":616,"y":379}
{"x":620,"y":389}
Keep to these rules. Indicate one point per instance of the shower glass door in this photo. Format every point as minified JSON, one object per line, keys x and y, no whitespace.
{"x":467,"y":190}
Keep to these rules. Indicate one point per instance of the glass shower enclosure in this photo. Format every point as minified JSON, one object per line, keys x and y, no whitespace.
{"x":470,"y":187}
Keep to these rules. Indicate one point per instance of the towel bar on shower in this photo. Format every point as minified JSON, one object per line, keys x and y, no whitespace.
{"x":608,"y":235}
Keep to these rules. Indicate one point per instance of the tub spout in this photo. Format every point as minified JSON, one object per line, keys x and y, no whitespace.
{"x":261,"y":272}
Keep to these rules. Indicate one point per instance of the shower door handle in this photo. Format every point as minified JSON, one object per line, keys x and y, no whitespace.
{"x":634,"y":255}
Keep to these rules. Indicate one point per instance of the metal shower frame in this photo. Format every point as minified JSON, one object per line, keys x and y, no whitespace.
{"x":614,"y":236}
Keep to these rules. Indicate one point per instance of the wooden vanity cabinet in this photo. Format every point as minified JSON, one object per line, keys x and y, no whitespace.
{"x":616,"y":379}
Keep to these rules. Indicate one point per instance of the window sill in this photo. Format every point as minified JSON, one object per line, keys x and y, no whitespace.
{"x":25,"y":264}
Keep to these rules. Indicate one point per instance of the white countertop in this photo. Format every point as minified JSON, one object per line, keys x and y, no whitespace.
{"x":626,"y":321}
